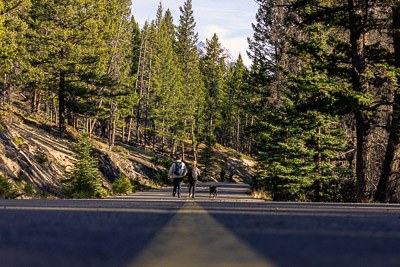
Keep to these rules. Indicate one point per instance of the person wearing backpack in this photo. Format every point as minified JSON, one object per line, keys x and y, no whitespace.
{"x":177,"y":172}
{"x":193,"y":175}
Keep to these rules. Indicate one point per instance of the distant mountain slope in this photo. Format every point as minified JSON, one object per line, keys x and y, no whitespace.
{"x":229,"y":59}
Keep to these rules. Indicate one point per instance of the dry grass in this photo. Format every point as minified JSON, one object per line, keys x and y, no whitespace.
{"x":260,"y":194}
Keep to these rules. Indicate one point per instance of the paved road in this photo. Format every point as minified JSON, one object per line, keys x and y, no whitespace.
{"x":154,"y":229}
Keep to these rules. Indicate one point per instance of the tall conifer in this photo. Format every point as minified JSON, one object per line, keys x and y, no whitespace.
{"x":65,"y":40}
{"x":188,"y":58}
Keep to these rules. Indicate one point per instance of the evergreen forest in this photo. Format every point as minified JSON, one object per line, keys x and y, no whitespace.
{"x":318,"y":109}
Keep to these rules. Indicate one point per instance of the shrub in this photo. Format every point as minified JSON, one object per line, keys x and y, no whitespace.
{"x":7,"y":189}
{"x":122,"y":185}
{"x":41,"y":157}
{"x":29,"y":190}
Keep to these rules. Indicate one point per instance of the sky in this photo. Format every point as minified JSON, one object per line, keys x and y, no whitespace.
{"x":230,"y":19}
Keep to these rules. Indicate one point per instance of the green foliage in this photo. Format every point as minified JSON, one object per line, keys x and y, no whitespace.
{"x":85,"y":179}
{"x":29,"y":190}
{"x":122,"y":186}
{"x":7,"y":189}
{"x":18,"y":141}
{"x":161,"y":176}
{"x":41,"y":157}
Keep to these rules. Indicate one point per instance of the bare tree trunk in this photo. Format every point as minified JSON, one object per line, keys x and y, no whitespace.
{"x":129,"y":128}
{"x":147,"y":103}
{"x":251,"y":137}
{"x":173,"y":146}
{"x":112,"y":126}
{"x":238,"y":131}
{"x":61,"y":105}
{"x":193,"y":140}
{"x":162,"y":130}
{"x":34,"y":101}
{"x":39,"y":102}
{"x":9,"y":90}
{"x":123,"y":132}
{"x":55,"y":110}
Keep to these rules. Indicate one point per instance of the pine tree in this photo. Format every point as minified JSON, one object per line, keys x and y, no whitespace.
{"x":65,"y":42}
{"x":188,"y":58}
{"x":213,"y":69}
{"x":298,"y":141}
{"x":135,"y":61}
{"x":170,"y":26}
{"x":13,"y":54}
{"x":237,"y":97}
{"x":85,"y":179}
{"x":363,"y":92}
{"x":166,"y":81}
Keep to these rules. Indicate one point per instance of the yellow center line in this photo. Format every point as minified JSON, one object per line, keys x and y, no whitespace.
{"x":194,"y":238}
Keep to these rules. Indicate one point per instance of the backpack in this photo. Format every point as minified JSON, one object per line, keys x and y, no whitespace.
{"x":195,"y":173}
{"x":178,"y":168}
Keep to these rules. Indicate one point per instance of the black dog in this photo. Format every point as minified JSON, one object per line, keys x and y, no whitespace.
{"x":213,"y":191}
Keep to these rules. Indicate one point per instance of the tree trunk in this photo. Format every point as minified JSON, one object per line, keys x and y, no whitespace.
{"x":112,"y":130}
{"x":34,"y":101}
{"x":162,"y":131}
{"x":139,"y":107}
{"x":357,"y":16}
{"x":173,"y":146}
{"x":9,"y":90}
{"x":238,"y":132}
{"x":381,"y":194}
{"x":193,"y":141}
{"x":61,"y":105}
{"x":147,"y":103}
{"x":123,"y":132}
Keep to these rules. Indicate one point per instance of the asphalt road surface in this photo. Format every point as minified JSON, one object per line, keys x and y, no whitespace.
{"x":155,"y":229}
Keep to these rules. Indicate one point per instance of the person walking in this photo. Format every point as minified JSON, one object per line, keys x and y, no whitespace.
{"x":177,"y":172}
{"x":193,"y":176}
{"x":222,"y":175}
{"x":231,"y":176}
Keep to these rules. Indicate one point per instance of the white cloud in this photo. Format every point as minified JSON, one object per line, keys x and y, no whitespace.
{"x":209,"y":30}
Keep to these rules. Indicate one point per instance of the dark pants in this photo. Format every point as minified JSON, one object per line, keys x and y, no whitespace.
{"x":177,"y":185}
{"x":192,"y":187}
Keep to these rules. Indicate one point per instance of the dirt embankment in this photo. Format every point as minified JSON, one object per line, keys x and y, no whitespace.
{"x":30,"y":153}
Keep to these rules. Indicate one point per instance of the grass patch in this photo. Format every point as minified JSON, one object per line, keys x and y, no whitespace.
{"x":120,"y":149}
{"x":260,"y":194}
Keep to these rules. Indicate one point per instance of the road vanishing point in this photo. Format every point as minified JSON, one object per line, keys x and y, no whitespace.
{"x":153,"y":228}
